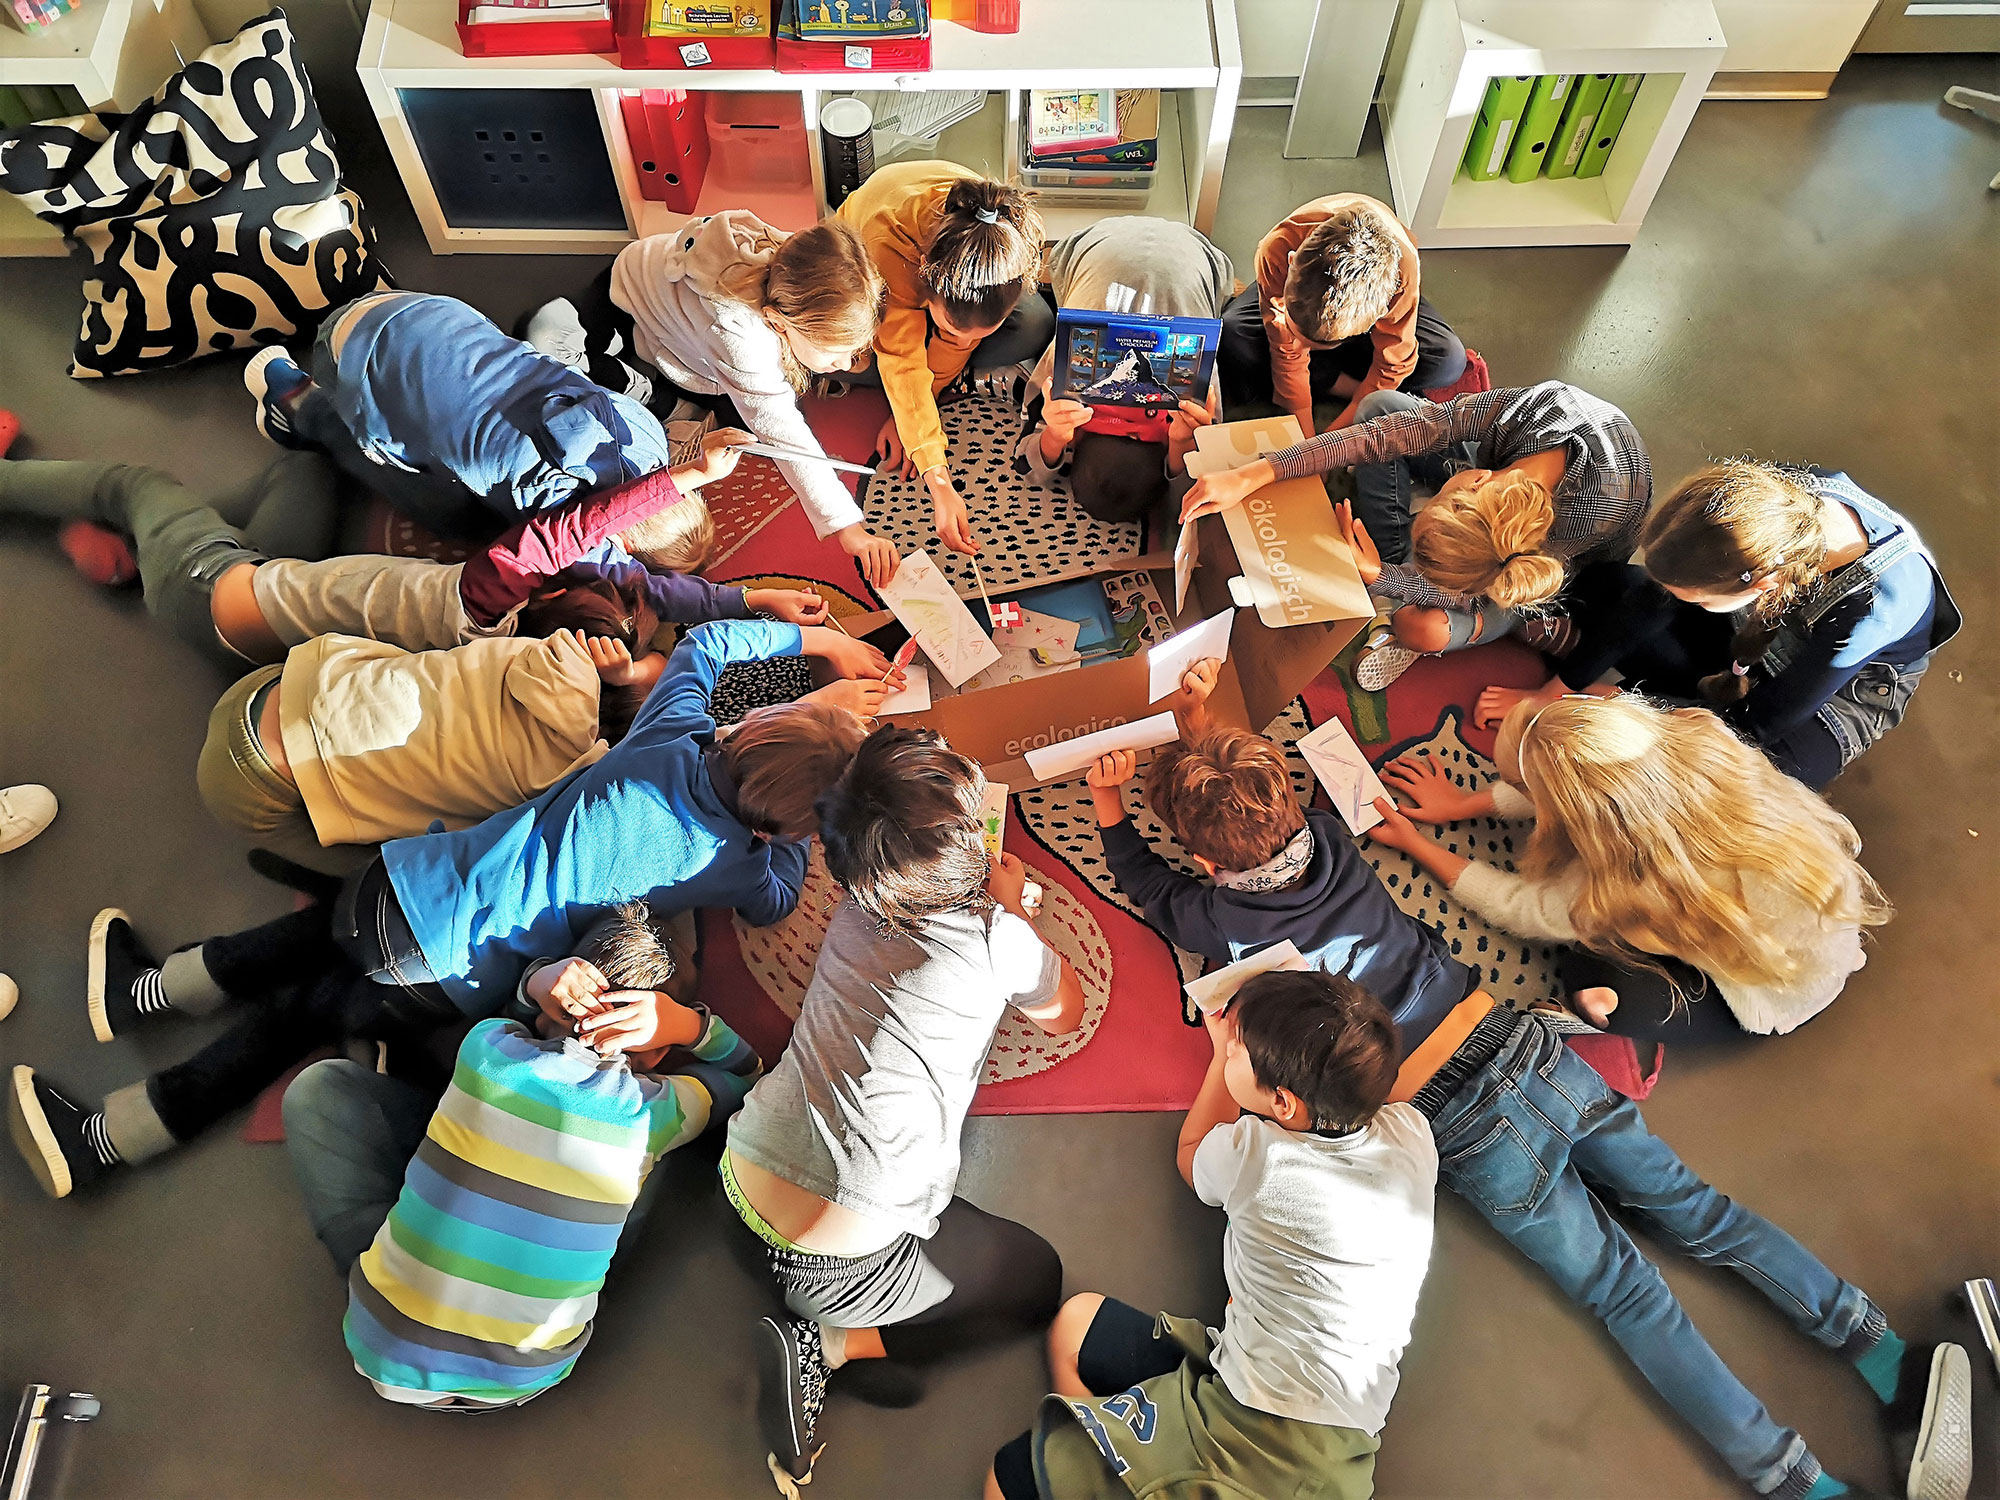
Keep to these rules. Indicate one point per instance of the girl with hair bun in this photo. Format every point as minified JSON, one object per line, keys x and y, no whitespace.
{"x":962,"y":256}
{"x":1529,"y":485}
{"x":1791,"y":598}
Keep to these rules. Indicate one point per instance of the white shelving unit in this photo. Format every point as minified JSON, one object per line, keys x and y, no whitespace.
{"x":1438,"y":76}
{"x":112,"y":52}
{"x":1186,"y":48}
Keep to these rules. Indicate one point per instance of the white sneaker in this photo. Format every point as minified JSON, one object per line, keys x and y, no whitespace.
{"x":1382,"y":663}
{"x":24,"y":812}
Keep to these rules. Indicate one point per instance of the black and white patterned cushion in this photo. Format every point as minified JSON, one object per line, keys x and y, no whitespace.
{"x":214,"y":212}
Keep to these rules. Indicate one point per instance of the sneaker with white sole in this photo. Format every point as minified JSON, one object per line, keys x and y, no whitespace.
{"x":1382,"y":663}
{"x":277,"y":381}
{"x":118,"y":963}
{"x":48,"y":1132}
{"x":1929,"y":1423}
{"x":25,"y":811}
{"x":791,"y":1391}
{"x":687,"y":424}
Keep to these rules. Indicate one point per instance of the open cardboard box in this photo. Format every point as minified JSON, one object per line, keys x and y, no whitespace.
{"x":1278,"y":554}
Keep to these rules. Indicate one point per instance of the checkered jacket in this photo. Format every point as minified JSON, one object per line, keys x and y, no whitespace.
{"x":1607,"y":478}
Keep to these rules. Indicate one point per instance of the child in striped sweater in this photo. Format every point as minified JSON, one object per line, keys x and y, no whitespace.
{"x":479,"y":1287}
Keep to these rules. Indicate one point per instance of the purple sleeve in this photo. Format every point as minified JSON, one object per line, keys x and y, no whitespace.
{"x":681,"y":598}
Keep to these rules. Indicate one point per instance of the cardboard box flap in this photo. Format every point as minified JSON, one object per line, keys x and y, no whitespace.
{"x":1295,"y":567}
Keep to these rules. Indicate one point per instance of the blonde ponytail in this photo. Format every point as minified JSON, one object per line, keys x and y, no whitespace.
{"x":1487,"y":540}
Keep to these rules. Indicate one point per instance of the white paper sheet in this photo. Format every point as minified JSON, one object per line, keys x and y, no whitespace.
{"x":915,"y":694}
{"x":993,"y":816}
{"x":1166,"y":662}
{"x":921,"y":597}
{"x":1350,"y":782}
{"x":1213,"y":991}
{"x":1073,"y":755}
{"x":1185,"y":560}
{"x":1017,"y":661}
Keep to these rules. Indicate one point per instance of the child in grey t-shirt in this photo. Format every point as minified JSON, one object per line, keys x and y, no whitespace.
{"x":844,"y":1159}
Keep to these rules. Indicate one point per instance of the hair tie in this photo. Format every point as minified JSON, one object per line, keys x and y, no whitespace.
{"x":1739,"y":669}
{"x":987,"y":215}
{"x":1744,"y":575}
{"x":1514,"y":557}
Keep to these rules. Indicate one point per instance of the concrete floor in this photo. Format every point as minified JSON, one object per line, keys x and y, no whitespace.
{"x":1816,"y":281}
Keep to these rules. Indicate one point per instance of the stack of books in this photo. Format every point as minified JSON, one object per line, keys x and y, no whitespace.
{"x":502,"y":12}
{"x":713,"y":18}
{"x":1103,"y":143}
{"x":1557,"y":126}
{"x":30,"y":103}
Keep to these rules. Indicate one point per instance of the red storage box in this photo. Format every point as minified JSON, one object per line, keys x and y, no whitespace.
{"x":758,"y":141}
{"x":908,"y":55}
{"x":670,"y":146}
{"x":637,"y":50}
{"x":535,"y":38}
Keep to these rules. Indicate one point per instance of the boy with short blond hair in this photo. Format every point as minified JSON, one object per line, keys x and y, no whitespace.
{"x":1337,"y":311}
{"x":1330,"y":1193}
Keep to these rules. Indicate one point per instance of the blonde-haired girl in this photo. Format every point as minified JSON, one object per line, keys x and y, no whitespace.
{"x":727,"y":311}
{"x":1530,"y":484}
{"x":1675,"y":854}
{"x":1792,"y":597}
{"x":962,"y":256}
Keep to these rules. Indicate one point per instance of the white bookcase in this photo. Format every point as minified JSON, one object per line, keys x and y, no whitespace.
{"x":1185,"y":48}
{"x":1438,"y":75}
{"x":112,"y":52}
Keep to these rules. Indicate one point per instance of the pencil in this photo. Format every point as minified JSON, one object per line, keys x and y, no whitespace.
{"x":986,"y":598}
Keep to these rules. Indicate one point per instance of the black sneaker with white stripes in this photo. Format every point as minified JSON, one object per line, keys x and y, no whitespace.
{"x":124,"y":977}
{"x":791,"y":1390}
{"x":63,"y":1144}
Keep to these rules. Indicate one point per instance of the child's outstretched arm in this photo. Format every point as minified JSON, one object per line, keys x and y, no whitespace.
{"x":1178,"y":905}
{"x":1213,"y":1104}
{"x":699,"y":1094}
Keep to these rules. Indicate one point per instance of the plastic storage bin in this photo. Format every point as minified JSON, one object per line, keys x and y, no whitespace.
{"x":910,"y":55}
{"x":669,"y":141}
{"x":757,"y":140}
{"x":536,"y":38}
{"x":637,"y":50}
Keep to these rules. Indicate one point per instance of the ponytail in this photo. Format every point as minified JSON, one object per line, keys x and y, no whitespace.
{"x":1489,"y":540}
{"x":1726,"y":526}
{"x":986,"y":252}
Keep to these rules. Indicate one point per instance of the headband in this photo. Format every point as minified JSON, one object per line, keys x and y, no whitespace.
{"x":1564,"y":698}
{"x":987,"y":215}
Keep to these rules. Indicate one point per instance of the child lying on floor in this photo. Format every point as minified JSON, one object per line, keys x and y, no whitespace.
{"x":489,"y":1233}
{"x":1330,"y":1193}
{"x":249,"y":594}
{"x":437,"y":928}
{"x":455,"y":424}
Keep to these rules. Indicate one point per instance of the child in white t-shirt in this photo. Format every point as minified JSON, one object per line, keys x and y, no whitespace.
{"x":1330,"y":1193}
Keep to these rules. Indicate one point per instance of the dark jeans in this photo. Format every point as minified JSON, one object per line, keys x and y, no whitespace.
{"x":1385,"y":494}
{"x":1245,"y":355}
{"x":183,"y":540}
{"x":980,"y":1279}
{"x":312,"y":977}
{"x":1647,"y":1010}
{"x":1539,"y":1144}
{"x":1663,"y":647}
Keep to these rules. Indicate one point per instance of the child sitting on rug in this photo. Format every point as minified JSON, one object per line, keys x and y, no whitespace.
{"x":1530,"y":484}
{"x":465,"y":430}
{"x":843,"y":1162}
{"x":737,"y":316}
{"x":437,"y":927}
{"x":1793,"y":598}
{"x":1337,"y":311}
{"x":526,"y":1182}
{"x":1674,"y":853}
{"x":1330,"y":1193}
{"x":1120,"y":462}
{"x":249,"y":594}
{"x":1276,"y":871}
{"x":962,"y":256}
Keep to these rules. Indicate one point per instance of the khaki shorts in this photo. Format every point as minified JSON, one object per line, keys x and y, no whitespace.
{"x":245,"y":791}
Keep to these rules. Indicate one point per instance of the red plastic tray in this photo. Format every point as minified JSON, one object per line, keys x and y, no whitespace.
{"x":910,"y":55}
{"x":637,"y":50}
{"x":535,"y":38}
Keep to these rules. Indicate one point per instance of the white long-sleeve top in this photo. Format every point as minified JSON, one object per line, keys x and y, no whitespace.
{"x":688,"y":327}
{"x":1827,"y":951}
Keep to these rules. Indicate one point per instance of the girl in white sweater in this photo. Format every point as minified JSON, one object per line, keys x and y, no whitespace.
{"x":729,"y":309}
{"x":1674,"y":854}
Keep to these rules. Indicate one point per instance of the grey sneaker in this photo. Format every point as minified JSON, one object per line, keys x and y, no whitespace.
{"x":687,"y":424}
{"x":1929,"y":1424}
{"x":1382,"y":663}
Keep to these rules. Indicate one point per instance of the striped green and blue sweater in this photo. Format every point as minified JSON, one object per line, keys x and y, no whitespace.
{"x":483,"y":1281}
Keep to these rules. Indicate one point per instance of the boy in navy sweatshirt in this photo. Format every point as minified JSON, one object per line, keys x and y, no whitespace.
{"x":1278,"y":871}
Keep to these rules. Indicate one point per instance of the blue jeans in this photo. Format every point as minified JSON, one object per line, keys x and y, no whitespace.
{"x":1539,"y":1144}
{"x":1385,"y":499}
{"x":351,"y":1133}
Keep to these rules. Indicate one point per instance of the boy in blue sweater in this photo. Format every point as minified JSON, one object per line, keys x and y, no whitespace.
{"x":1278,"y":871}
{"x":679,"y":814}
{"x":464,"y":429}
